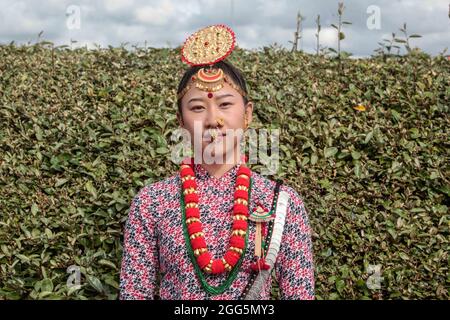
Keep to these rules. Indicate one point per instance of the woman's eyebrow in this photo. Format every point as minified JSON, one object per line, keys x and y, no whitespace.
{"x":224,"y":96}
{"x":195,"y":99}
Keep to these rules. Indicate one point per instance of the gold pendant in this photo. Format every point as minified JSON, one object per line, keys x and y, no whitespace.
{"x":260,"y":215}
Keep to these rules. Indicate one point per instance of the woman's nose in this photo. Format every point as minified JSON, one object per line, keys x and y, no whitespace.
{"x":212,"y":119}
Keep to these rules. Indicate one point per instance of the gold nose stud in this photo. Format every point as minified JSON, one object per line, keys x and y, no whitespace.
{"x":220,"y":121}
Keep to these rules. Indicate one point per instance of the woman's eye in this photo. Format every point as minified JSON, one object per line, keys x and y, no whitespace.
{"x":225,"y":104}
{"x":197,"y":108}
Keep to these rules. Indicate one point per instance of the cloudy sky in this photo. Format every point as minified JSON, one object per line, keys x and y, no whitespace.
{"x":257,"y":23}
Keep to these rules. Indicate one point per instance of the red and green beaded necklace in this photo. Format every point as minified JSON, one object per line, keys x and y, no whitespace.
{"x":193,"y":230}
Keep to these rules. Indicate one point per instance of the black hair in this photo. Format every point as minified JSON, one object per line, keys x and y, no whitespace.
{"x":228,"y":69}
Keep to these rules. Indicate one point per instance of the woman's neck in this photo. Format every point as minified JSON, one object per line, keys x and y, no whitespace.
{"x":219,"y":169}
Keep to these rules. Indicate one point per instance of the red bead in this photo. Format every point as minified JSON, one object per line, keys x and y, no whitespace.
{"x":198,"y":243}
{"x":244,"y":170}
{"x":192,"y":197}
{"x":240,"y":209}
{"x":260,"y":264}
{"x":189,"y":184}
{"x":241,"y":194}
{"x":203,"y":259}
{"x":206,"y":43}
{"x":192,"y":213}
{"x":187,"y":172}
{"x":194,"y":227}
{"x":243,"y":182}
{"x":237,"y":241}
{"x":240,"y":224}
{"x":210,"y":95}
{"x":217,"y":267}
{"x":231,"y":257}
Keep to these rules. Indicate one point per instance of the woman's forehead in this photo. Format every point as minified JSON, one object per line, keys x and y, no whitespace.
{"x":195,"y":94}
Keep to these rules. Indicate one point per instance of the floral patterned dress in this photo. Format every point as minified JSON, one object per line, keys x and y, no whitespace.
{"x":154,"y":241}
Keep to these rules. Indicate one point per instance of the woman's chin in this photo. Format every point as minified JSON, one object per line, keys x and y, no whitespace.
{"x":216,"y":152}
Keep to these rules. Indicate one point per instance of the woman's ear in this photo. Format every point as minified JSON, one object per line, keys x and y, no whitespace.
{"x":249,"y":112}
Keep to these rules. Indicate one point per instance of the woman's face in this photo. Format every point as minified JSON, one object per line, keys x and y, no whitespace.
{"x":200,"y":113}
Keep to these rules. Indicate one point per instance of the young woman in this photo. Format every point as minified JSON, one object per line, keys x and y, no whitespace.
{"x":215,"y":229}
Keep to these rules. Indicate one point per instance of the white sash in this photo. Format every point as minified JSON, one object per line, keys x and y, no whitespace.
{"x":274,"y":246}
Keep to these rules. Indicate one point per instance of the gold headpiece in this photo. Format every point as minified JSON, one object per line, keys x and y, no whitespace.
{"x":204,"y":48}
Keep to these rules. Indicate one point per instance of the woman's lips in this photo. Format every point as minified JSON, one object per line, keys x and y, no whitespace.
{"x":209,"y":138}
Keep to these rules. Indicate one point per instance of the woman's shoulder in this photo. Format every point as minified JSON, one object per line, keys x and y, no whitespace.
{"x":264,"y":183}
{"x":265,"y":186}
{"x":160,"y":190}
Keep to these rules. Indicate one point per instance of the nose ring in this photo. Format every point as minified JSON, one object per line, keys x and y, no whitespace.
{"x":220,"y":121}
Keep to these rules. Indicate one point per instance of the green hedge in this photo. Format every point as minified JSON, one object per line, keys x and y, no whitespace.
{"x":82,"y":131}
